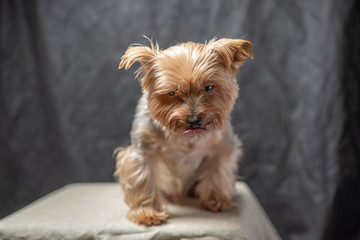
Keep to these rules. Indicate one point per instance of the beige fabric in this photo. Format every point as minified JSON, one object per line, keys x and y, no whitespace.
{"x":97,"y":211}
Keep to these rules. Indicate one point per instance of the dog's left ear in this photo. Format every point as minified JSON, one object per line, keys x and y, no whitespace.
{"x":232,"y":52}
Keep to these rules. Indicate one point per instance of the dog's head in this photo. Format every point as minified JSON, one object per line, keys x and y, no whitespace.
{"x":191,"y":87}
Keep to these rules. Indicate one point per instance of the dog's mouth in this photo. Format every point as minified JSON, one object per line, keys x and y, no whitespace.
{"x":194,"y":131}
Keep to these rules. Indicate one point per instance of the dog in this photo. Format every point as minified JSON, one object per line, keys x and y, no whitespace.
{"x":182,"y":141}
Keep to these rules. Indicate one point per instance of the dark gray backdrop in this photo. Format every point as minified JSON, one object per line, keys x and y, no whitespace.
{"x":64,"y":106}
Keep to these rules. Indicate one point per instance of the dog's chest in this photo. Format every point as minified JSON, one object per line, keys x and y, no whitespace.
{"x":188,"y":163}
{"x":183,"y":160}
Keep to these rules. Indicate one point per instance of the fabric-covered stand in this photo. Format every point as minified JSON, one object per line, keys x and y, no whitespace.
{"x":97,"y":211}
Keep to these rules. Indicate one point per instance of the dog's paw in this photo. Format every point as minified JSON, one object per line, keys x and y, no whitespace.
{"x":218,"y":205}
{"x":147,"y":216}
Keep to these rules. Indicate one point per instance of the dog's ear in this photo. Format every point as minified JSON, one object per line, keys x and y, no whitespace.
{"x":232,"y":52}
{"x":145,"y":56}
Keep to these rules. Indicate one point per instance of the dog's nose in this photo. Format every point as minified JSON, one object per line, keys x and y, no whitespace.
{"x":194,"y":122}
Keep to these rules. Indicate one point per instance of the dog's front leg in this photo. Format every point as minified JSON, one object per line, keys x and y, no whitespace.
{"x":139,"y":188}
{"x":217,"y":180}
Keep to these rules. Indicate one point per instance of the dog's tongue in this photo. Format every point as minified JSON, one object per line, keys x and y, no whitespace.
{"x":194,"y":131}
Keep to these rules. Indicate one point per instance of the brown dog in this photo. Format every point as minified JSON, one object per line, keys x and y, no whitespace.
{"x":182,"y":141}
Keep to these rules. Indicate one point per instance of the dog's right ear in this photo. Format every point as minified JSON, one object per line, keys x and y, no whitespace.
{"x":137,"y":53}
{"x":145,"y":56}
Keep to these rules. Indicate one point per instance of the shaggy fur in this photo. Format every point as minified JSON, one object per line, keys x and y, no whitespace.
{"x":182,"y":141}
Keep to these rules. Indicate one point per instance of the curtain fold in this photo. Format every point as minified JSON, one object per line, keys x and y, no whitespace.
{"x":344,"y":216}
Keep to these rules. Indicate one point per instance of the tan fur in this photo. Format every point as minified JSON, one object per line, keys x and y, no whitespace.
{"x":164,"y":160}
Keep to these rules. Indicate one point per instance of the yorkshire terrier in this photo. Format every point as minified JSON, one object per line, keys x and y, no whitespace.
{"x":182,"y":141}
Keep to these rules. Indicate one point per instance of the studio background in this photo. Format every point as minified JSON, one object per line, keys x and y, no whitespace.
{"x":64,"y":105}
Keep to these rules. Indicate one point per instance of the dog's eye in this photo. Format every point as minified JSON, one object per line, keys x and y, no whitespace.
{"x":171,"y":93}
{"x":209,"y":88}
